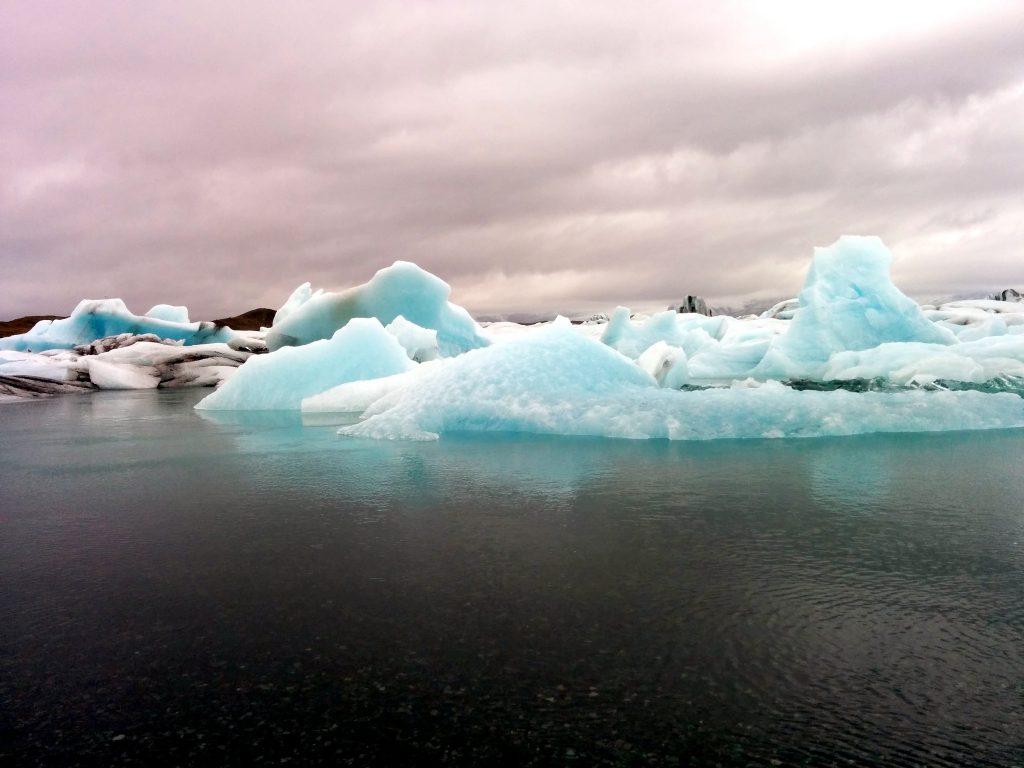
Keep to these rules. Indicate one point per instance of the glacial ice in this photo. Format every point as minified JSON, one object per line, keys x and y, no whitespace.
{"x":362,"y":349}
{"x":401,"y":289}
{"x":169,"y":313}
{"x":632,"y":339}
{"x":125,"y":361}
{"x":665,"y":363}
{"x":298,"y":297}
{"x":800,"y":369}
{"x":107,"y":375}
{"x":419,"y":343}
{"x":556,"y":381}
{"x":905,"y":363}
{"x":97,"y":319}
{"x":848,"y":302}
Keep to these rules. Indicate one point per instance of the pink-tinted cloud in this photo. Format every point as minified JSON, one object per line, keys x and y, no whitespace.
{"x":536,"y":155}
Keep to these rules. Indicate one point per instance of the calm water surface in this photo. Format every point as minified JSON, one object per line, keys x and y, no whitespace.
{"x":178,"y":589}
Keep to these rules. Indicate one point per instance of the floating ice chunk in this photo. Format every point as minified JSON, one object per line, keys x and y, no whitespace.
{"x":120,"y":362}
{"x":632,"y":339}
{"x":282,"y":379}
{"x":975,"y":319}
{"x":97,"y":319}
{"x":169,"y":313}
{"x":533,"y":383}
{"x":401,"y":289}
{"x":13,"y":363}
{"x":108,"y":375}
{"x":420,"y":343}
{"x":848,"y":303}
{"x":690,"y":332}
{"x":556,"y":381}
{"x":915,"y":363}
{"x":784,"y":310}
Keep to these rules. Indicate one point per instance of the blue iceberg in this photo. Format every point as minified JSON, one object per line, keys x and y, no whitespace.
{"x":280,"y":380}
{"x":556,"y":381}
{"x":848,"y":303}
{"x":99,"y":319}
{"x":401,"y":289}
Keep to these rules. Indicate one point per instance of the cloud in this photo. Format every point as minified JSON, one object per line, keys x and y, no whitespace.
{"x":536,"y":155}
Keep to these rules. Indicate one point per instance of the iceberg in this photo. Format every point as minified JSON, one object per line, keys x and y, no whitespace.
{"x":122,"y":362}
{"x":401,"y":289}
{"x":362,"y":349}
{"x":848,"y":302}
{"x":97,"y":319}
{"x":556,"y":381}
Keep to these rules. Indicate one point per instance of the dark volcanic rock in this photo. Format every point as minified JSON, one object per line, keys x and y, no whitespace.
{"x":694,"y":305}
{"x":122,"y":340}
{"x":253,"y":320}
{"x":1009,"y":294}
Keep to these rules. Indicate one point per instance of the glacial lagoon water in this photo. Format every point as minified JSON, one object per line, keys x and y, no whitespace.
{"x":178,"y":588}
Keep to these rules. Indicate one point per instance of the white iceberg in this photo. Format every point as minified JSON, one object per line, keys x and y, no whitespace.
{"x":401,"y":289}
{"x":282,"y":379}
{"x":98,"y":319}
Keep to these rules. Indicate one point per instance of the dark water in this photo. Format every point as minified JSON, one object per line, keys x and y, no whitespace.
{"x":181,"y":591}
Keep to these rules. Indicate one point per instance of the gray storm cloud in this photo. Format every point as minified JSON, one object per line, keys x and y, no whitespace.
{"x":537,"y":156}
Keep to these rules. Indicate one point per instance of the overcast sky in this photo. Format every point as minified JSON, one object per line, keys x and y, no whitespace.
{"x":536,"y":156}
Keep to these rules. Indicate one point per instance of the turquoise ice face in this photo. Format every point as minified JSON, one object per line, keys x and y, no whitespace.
{"x":281,"y":379}
{"x":402,"y":289}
